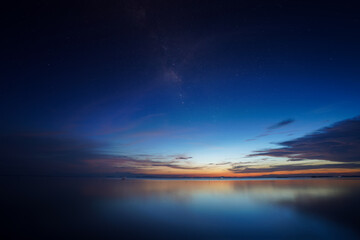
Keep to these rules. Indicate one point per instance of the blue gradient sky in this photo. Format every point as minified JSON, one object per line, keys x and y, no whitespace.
{"x":152,"y":81}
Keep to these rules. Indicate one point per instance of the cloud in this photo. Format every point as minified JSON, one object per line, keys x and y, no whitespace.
{"x":339,"y":142}
{"x":277,"y":168}
{"x":114,"y":163}
{"x":183,"y":157}
{"x":269,"y":131}
{"x":50,"y":155}
{"x":223,"y":163}
{"x":110,"y":128}
{"x":281,"y":124}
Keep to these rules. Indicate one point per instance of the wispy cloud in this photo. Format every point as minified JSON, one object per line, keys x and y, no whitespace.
{"x":110,"y":128}
{"x":114,"y":163}
{"x":183,"y":157}
{"x":270,"y":130}
{"x":223,"y":163}
{"x":281,"y":124}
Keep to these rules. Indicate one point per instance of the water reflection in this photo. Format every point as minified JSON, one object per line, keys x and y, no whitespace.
{"x":181,"y":209}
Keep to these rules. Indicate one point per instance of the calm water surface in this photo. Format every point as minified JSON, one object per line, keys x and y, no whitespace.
{"x":179,"y":209}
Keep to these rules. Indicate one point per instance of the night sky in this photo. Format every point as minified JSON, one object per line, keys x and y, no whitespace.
{"x":180,"y":88}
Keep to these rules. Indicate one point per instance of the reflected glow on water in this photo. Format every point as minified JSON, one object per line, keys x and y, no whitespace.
{"x":178,"y":209}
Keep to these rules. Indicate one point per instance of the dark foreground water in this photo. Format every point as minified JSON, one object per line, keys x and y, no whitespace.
{"x":66,"y":208}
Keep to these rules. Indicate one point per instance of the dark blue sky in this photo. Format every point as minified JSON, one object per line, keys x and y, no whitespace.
{"x":175,"y":87}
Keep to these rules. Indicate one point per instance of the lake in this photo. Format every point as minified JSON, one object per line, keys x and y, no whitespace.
{"x":109,"y":208}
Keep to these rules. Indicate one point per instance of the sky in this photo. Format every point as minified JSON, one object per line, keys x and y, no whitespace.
{"x":180,"y":88}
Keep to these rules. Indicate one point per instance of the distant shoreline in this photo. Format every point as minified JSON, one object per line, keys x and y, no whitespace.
{"x":186,"y":178}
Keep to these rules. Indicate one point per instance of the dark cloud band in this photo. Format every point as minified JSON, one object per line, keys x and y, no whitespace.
{"x":339,"y":142}
{"x":279,"y":168}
